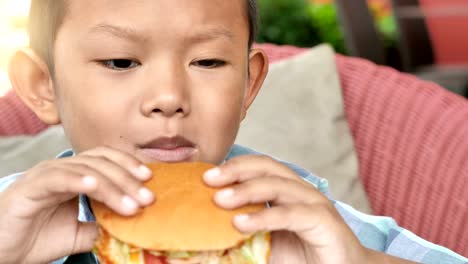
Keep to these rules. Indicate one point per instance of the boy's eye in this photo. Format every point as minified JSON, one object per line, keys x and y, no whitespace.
{"x":209,"y":64}
{"x":119,"y":64}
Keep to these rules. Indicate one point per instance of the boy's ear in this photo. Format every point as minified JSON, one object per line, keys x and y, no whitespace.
{"x":32,"y":81}
{"x":258,"y":70}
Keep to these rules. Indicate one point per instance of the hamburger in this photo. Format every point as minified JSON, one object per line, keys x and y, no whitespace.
{"x":184,"y":225}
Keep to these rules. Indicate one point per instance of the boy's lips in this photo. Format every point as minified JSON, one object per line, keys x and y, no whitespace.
{"x":168,"y":149}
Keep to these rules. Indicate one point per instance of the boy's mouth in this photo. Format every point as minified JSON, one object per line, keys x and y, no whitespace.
{"x":168,"y":149}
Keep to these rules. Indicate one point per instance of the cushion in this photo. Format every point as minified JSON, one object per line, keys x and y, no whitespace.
{"x":19,"y":153}
{"x":298,"y":117}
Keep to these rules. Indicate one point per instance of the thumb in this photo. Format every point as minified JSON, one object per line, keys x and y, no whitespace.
{"x":85,"y":237}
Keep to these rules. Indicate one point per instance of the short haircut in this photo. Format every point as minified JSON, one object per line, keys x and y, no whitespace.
{"x":46,"y":17}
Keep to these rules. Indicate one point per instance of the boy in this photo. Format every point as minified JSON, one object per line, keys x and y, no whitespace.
{"x":134,"y":82}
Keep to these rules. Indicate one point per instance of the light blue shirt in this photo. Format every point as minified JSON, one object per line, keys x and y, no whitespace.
{"x":375,"y":232}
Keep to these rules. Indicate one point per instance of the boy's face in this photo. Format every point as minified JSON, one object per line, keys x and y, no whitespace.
{"x":162,"y":79}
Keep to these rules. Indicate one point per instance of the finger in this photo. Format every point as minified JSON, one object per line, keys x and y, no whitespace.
{"x":55,"y":185}
{"x":295,"y":218}
{"x":124,"y":159}
{"x":275,"y":190}
{"x":246,"y":167}
{"x":85,"y":237}
{"x":116,"y":175}
{"x":45,"y":187}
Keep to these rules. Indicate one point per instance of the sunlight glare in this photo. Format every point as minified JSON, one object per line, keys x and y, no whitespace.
{"x":13,"y":34}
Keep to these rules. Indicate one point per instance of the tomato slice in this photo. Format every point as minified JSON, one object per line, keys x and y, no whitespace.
{"x":152,"y":259}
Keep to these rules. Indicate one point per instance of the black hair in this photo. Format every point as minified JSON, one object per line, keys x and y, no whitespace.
{"x":253,"y":20}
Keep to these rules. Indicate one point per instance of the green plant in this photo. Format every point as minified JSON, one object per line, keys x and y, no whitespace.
{"x":387,"y":28}
{"x":324,"y":19}
{"x":299,"y":23}
{"x":286,"y":22}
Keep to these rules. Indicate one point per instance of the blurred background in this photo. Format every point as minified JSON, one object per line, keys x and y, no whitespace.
{"x":428,"y":38}
{"x":317,"y":21}
{"x":13,"y":35}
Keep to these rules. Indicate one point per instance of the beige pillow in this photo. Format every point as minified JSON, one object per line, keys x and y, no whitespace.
{"x":20,"y":153}
{"x":299,"y":117}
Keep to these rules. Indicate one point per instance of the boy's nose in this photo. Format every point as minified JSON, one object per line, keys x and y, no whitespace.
{"x":167,"y":102}
{"x":166,"y":105}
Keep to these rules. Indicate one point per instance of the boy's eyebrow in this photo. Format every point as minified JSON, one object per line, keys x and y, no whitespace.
{"x":118,"y":31}
{"x":210,"y":33}
{"x":130,"y":33}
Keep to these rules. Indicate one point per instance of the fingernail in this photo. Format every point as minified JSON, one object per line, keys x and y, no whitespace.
{"x":224,"y":194}
{"x":142,"y":173}
{"x":89,"y":180}
{"x":129,"y":203}
{"x":146,"y":195}
{"x":212,"y":174}
{"x":241,"y":218}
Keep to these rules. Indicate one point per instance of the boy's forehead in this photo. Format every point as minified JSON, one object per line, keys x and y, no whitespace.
{"x":134,"y":18}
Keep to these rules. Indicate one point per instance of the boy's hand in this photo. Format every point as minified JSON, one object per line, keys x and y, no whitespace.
{"x":307,"y":227}
{"x":38,"y":219}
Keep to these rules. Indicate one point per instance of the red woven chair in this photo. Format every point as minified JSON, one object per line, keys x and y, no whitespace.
{"x":411,"y":138}
{"x":412,"y":142}
{"x":16,"y":118}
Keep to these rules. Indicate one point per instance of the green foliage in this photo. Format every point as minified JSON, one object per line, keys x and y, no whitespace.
{"x":387,"y":28}
{"x":299,"y":23}
{"x":286,"y":22}
{"x":324,"y":19}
